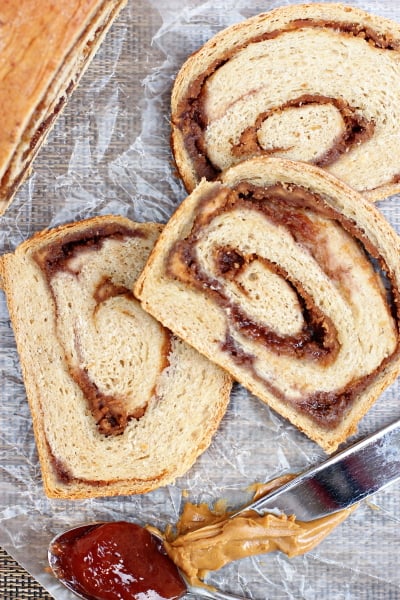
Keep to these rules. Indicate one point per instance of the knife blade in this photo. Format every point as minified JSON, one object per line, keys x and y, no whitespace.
{"x":339,"y":482}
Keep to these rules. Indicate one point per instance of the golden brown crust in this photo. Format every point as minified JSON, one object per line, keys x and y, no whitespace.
{"x":46,"y":48}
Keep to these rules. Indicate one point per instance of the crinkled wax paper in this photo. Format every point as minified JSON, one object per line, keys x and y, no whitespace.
{"x":109,"y":152}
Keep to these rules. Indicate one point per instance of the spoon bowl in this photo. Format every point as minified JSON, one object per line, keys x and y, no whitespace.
{"x":103,"y":561}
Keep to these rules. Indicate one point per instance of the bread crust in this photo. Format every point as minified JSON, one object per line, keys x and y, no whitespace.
{"x":46,"y":48}
{"x":159,"y":443}
{"x":165,"y":276}
{"x":352,"y":156}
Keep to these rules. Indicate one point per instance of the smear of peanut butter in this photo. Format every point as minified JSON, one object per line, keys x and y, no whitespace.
{"x":206,"y":540}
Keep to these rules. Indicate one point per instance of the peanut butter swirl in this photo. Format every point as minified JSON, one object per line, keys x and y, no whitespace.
{"x":297,"y":286}
{"x":90,"y":309}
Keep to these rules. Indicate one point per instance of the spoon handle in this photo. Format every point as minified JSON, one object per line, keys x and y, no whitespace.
{"x":213,"y":594}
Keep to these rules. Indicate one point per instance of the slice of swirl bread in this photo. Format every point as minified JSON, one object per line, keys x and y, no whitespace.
{"x":318,"y":83}
{"x":45,"y":48}
{"x":119,"y":404}
{"x":273,"y":272}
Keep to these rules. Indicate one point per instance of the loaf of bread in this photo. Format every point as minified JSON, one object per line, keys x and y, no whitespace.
{"x":45,"y":48}
{"x":119,"y":404}
{"x":318,"y":83}
{"x":290,"y":280}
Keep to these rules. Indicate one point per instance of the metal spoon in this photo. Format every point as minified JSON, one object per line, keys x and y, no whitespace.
{"x":54,"y":562}
{"x":339,"y":482}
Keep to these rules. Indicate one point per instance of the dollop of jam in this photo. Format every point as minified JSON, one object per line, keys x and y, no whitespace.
{"x":115,"y":561}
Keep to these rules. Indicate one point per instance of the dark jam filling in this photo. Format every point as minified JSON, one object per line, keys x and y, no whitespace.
{"x":115,"y":561}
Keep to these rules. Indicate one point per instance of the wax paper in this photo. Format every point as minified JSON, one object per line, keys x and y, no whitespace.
{"x":109,"y":153}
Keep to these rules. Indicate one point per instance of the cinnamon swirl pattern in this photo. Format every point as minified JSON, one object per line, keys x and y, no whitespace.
{"x":109,"y":387}
{"x":318,"y":83}
{"x":289,"y":280}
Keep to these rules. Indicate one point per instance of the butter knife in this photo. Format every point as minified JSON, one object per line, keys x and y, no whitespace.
{"x":341,"y":481}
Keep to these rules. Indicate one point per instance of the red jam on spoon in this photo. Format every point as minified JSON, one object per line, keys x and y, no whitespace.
{"x":115,"y":561}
